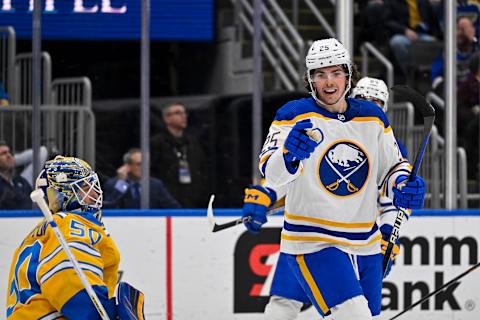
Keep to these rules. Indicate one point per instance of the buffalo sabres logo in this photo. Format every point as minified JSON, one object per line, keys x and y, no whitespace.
{"x":343,"y":169}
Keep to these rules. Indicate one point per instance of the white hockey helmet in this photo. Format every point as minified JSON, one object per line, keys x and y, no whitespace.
{"x":70,"y":184}
{"x":368,"y":88}
{"x":326,"y":53}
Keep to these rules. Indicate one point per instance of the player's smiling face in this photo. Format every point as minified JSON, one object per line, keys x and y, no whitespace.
{"x":330,"y":84}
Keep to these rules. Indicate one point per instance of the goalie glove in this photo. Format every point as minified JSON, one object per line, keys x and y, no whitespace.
{"x":257,"y":200}
{"x":386,"y":231}
{"x":129,"y":302}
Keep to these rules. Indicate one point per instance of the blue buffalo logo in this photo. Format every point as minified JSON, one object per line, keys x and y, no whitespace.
{"x":343,"y":169}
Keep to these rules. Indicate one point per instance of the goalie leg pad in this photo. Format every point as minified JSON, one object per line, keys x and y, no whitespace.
{"x":129,"y":302}
{"x":280,"y":308}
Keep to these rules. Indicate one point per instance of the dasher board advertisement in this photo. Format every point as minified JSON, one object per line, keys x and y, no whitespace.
{"x":188,"y":272}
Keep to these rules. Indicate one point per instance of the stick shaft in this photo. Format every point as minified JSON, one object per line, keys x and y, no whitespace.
{"x":37,"y":196}
{"x":218,"y":227}
{"x":446,"y":285}
{"x":428,"y":113}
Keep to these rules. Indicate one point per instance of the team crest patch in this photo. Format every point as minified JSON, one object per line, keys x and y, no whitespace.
{"x":343,"y":169}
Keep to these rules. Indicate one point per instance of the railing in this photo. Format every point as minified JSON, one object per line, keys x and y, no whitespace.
{"x":72,"y":92}
{"x":433,"y":170}
{"x":73,"y":129}
{"x":461,"y":153}
{"x":401,"y":117}
{"x":367,"y":48}
{"x":320,"y":17}
{"x":7,"y":58}
{"x":284,"y":42}
{"x":438,"y":101}
{"x":23,"y":79}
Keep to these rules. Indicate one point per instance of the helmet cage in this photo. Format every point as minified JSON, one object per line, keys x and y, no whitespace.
{"x":83,"y":191}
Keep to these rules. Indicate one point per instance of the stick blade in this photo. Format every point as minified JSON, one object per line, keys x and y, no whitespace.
{"x":210,"y":218}
{"x":422,"y":105}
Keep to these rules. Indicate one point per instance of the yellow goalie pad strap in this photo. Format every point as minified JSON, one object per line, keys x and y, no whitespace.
{"x":257,"y":196}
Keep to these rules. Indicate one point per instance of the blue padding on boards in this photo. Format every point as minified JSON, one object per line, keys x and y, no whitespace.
{"x":218,"y":213}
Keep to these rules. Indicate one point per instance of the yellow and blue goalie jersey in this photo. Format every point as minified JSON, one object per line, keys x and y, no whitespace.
{"x":42,"y":282}
{"x":332,"y":197}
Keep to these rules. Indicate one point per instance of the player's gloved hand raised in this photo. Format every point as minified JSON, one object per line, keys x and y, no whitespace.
{"x":386,"y":231}
{"x":129,"y":302}
{"x":299,"y":145}
{"x":409,"y":194}
{"x":257,"y":200}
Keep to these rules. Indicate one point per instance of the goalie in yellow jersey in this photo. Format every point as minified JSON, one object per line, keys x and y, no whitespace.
{"x":42,"y":282}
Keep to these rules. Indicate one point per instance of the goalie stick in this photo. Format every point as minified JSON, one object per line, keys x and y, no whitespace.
{"x":218,"y":227}
{"x":37,"y":196}
{"x":428,"y":114}
{"x":434,"y":293}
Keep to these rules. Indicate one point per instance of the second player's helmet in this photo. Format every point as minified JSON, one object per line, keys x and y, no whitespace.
{"x":326,"y":53}
{"x":372,"y":88}
{"x":71,"y":184}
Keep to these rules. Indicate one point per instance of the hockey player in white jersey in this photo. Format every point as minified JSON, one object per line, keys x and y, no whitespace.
{"x":330,"y":239}
{"x":372,"y":89}
{"x":286,"y":304}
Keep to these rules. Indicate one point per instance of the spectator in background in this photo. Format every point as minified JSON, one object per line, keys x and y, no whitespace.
{"x":24,"y":159}
{"x":467,"y":45}
{"x":123,"y":191}
{"x":372,"y":22}
{"x":468,"y":114}
{"x":179,"y":159}
{"x":14,"y":189}
{"x":3,"y":96}
{"x":407,"y":21}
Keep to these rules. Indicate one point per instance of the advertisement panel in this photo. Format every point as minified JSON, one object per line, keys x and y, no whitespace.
{"x":188,"y":272}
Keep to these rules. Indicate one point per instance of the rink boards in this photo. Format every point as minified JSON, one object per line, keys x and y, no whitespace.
{"x":188,"y":272}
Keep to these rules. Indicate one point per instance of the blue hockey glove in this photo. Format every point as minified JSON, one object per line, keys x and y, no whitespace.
{"x":299,"y":145}
{"x":409,"y":194}
{"x":129,"y":302}
{"x":257,"y":200}
{"x":386,"y":231}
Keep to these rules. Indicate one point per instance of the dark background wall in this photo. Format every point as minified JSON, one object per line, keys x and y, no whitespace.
{"x":177,"y":68}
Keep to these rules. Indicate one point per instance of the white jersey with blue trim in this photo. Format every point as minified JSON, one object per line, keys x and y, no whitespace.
{"x":332,"y":196}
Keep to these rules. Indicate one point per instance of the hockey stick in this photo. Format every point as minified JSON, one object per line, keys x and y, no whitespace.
{"x":37,"y":197}
{"x":446,"y":285}
{"x":428,"y":114}
{"x":218,"y":227}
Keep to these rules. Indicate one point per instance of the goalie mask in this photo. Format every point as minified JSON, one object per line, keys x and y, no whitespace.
{"x":327,"y":53}
{"x":70,"y":184}
{"x":372,"y":89}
